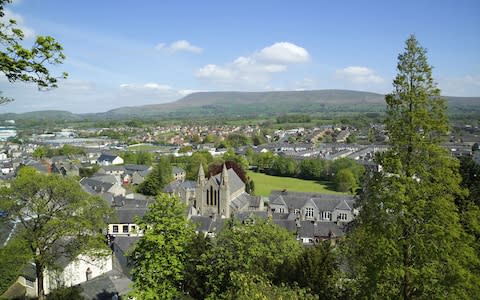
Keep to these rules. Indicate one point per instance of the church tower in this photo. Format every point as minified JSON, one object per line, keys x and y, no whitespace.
{"x":200,"y":190}
{"x":224,"y":205}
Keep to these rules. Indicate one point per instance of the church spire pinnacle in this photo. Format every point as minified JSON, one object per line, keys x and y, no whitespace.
{"x":201,"y":174}
{"x":224,"y":175}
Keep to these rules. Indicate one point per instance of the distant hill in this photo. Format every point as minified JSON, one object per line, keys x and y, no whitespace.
{"x":272,"y":103}
{"x":228,"y":104}
{"x":43,"y":115}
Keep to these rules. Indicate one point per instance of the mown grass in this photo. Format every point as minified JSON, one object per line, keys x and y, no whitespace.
{"x":144,"y":147}
{"x":264,"y":184}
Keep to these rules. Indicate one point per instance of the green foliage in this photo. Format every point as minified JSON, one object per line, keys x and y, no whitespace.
{"x":315,"y":269}
{"x":313,"y":169}
{"x":88,"y":171}
{"x":137,"y":157}
{"x":42,"y":151}
{"x":18,"y":63}
{"x":284,"y":166}
{"x":159,"y":257}
{"x":194,"y":280}
{"x":298,"y":118}
{"x":50,"y":210}
{"x":14,"y":256}
{"x":185,"y":149}
{"x":256,"y":287}
{"x":193,"y":163}
{"x":241,"y":160}
{"x":352,"y":138}
{"x":258,"y":249}
{"x":70,"y":293}
{"x":237,"y":140}
{"x":407,"y":241}
{"x":157,"y":179}
{"x":345,"y":181}
{"x":469,"y":206}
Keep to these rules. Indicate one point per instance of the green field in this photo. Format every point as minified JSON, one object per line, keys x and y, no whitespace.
{"x":264,"y":184}
{"x":144,"y":147}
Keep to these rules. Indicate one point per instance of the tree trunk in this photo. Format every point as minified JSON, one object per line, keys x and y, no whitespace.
{"x":40,"y":289}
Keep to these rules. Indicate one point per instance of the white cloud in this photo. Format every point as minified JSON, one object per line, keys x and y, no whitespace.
{"x":358,"y":75}
{"x":256,"y":69}
{"x":283,"y":53}
{"x":154,"y":91}
{"x":180,"y":45}
{"x":467,"y":86}
{"x":8,"y":15}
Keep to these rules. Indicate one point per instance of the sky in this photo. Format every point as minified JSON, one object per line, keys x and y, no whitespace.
{"x":129,"y":53}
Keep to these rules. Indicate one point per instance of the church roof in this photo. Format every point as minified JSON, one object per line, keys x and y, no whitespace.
{"x":234,"y":181}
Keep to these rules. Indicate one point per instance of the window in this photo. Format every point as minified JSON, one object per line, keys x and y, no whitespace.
{"x":133,"y":228}
{"x":125,"y":229}
{"x":281,"y":210}
{"x":342,"y":216}
{"x":296,"y":211}
{"x":115,"y":228}
{"x":326,"y":215}
{"x":309,"y":212}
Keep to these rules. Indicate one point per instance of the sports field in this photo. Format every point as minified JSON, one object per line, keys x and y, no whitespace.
{"x":264,"y":184}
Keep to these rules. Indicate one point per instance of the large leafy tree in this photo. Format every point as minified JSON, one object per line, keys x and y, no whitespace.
{"x":19,"y":63}
{"x":258,"y":249}
{"x":407,"y":242}
{"x":159,"y":256}
{"x":316,"y":269}
{"x":54,"y":217}
{"x":157,"y":179}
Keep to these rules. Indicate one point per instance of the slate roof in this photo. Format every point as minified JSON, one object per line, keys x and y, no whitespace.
{"x":324,"y":202}
{"x":240,"y":202}
{"x":122,"y":202}
{"x":234,"y":182}
{"x":113,"y":168}
{"x":201,"y":223}
{"x":124,"y":243}
{"x":244,"y":215}
{"x":311,"y":229}
{"x":105,"y":286}
{"x":290,"y":225}
{"x":107,"y":157}
{"x":136,"y":168}
{"x":127,"y":215}
{"x":176,"y":170}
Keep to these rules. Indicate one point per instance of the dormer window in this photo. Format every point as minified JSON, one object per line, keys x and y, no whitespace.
{"x":326,"y":215}
{"x":309,"y":212}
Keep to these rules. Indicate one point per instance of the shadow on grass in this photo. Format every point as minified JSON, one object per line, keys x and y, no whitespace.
{"x":329,"y":185}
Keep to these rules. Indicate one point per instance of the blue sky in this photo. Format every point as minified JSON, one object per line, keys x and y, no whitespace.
{"x":124,"y":53}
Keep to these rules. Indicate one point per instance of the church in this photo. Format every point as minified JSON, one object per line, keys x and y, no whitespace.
{"x":223,"y":195}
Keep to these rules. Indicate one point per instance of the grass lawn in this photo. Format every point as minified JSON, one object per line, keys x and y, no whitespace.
{"x":144,"y":147}
{"x":264,"y":184}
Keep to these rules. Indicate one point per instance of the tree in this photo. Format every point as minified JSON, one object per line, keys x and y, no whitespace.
{"x":18,"y":63}
{"x":157,"y":179}
{"x":257,"y":287}
{"x":14,"y":256}
{"x":158,"y":258}
{"x":312,"y":168}
{"x":316,"y":269}
{"x":345,"y":181}
{"x":194,"y":280}
{"x":284,"y":166}
{"x":407,"y":241}
{"x":55,"y":217}
{"x":257,"y":249}
{"x":40,"y":152}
